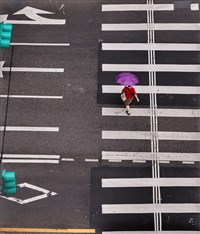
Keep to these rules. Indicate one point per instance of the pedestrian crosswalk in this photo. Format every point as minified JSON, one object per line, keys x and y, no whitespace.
{"x":168,"y":68}
{"x":122,"y":199}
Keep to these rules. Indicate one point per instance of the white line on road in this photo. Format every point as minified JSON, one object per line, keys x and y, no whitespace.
{"x":32,"y":69}
{"x":30,"y":129}
{"x":91,"y":160}
{"x":143,"y":7}
{"x":32,"y":96}
{"x":153,"y":46}
{"x":151,"y":67}
{"x":146,"y":135}
{"x":149,"y":182}
{"x":40,"y":44}
{"x":154,"y":89}
{"x":68,"y":159}
{"x":28,"y":156}
{"x":148,"y":156}
{"x":30,"y":161}
{"x":150,"y":208}
{"x":137,"y":7}
{"x":156,"y":26}
{"x":106,"y":111}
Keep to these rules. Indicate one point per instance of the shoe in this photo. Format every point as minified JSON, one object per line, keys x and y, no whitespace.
{"x":128,"y":113}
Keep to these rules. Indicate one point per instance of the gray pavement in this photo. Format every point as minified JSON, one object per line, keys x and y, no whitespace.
{"x":77,"y":145}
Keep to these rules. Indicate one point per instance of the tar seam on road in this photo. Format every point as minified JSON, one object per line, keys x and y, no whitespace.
{"x":7,"y":102}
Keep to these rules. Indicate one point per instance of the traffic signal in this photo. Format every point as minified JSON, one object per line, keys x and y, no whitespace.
{"x":5,"y":35}
{"x":8,"y":182}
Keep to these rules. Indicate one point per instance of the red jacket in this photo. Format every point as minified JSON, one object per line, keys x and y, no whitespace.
{"x":129,"y":92}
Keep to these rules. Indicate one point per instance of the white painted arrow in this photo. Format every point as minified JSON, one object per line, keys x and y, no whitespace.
{"x":27,"y":69}
{"x":3,"y":18}
{"x":32,"y":13}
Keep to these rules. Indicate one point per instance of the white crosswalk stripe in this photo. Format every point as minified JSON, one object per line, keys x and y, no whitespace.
{"x":157,"y":26}
{"x":146,"y":135}
{"x":150,"y":182}
{"x":184,"y":113}
{"x":157,"y":88}
{"x":150,"y":208}
{"x":148,"y":67}
{"x":146,"y":46}
{"x":143,"y":7}
{"x":154,"y":89}
{"x":148,"y":156}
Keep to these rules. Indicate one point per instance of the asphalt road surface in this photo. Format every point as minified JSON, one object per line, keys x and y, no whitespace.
{"x":80,"y":161}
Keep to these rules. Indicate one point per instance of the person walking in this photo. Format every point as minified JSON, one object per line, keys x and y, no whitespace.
{"x":130,"y":93}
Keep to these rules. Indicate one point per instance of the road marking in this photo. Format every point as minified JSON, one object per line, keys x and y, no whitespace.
{"x":148,"y":156}
{"x":155,"y":89}
{"x":192,"y":113}
{"x":30,"y":129}
{"x":139,"y":161}
{"x":151,"y":46}
{"x":32,"y":13}
{"x":30,"y":158}
{"x":146,"y":135}
{"x":164,"y":162}
{"x":156,"y":26}
{"x":30,"y":161}
{"x":68,"y":159}
{"x":91,"y":160}
{"x":31,"y":96}
{"x":149,"y":182}
{"x":137,"y":7}
{"x":27,"y":69}
{"x":151,"y":67}
{"x":39,"y":44}
{"x":150,"y":208}
{"x":46,"y":230}
{"x":144,"y":7}
{"x":188,"y":162}
{"x":46,"y":193}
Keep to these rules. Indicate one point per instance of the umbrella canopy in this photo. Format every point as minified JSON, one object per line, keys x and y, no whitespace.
{"x":127,"y":79}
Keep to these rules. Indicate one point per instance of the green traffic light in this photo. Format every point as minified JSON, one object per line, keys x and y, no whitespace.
{"x":8,"y":183}
{"x":5,"y":35}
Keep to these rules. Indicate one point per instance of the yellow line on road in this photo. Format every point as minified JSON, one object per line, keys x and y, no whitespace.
{"x":46,"y":230}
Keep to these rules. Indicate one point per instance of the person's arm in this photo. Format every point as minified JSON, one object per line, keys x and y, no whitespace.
{"x":137,"y":98}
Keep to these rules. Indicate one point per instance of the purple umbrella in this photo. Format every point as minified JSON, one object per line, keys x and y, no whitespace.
{"x":127,"y":79}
